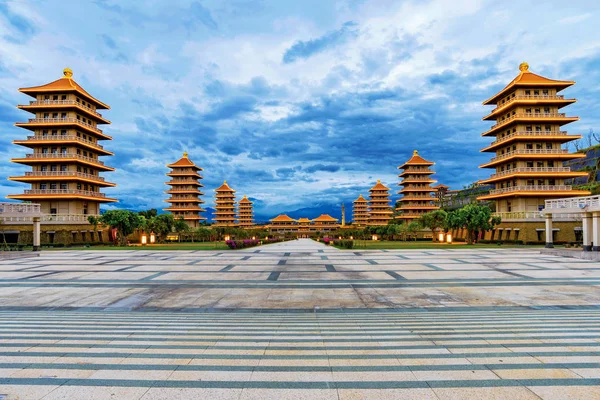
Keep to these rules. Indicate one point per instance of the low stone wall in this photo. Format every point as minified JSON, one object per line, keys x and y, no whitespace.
{"x":527,"y":232}
{"x":573,"y":253}
{"x":59,"y":234}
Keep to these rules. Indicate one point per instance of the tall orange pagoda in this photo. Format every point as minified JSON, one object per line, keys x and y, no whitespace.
{"x":528,"y":157}
{"x":380,"y":210}
{"x":65,"y":167}
{"x":225,"y":206}
{"x":245,"y":215}
{"x":360,"y":211}
{"x":185,"y":191}
{"x":417,"y":192}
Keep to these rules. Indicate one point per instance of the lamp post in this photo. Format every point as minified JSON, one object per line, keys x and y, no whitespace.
{"x":449,"y":238}
{"x":144,"y":239}
{"x":152,"y":237}
{"x":441,"y":237}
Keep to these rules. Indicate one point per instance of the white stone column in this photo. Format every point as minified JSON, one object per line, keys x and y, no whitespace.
{"x":596,"y":231}
{"x":36,"y":233}
{"x":587,"y":231}
{"x":549,"y":244}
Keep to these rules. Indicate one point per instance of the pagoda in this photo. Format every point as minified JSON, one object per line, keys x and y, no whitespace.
{"x":225,"y":206}
{"x":417,"y":192}
{"x":360,"y":211}
{"x":185,"y":191}
{"x":65,"y":167}
{"x":245,"y":216}
{"x":529,"y":160}
{"x":380,"y":210}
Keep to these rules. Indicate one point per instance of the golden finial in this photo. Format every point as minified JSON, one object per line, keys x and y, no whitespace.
{"x":415,"y":153}
{"x":523,"y":67}
{"x":68,"y":73}
{"x":224,"y":182}
{"x":378,"y":180}
{"x":185,"y":154}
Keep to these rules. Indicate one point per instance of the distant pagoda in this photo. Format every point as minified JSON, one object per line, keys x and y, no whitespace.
{"x":185,"y":191}
{"x":360,"y":211}
{"x":528,"y":160}
{"x":417,"y":192}
{"x":225,"y":206}
{"x":65,"y":167}
{"x":380,"y":210}
{"x":245,"y":215}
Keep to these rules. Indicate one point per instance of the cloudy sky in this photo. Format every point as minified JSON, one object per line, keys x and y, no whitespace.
{"x":295,"y":103}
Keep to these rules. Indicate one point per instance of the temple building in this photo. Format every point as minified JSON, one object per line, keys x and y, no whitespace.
{"x":185,"y":191}
{"x":380,"y":210}
{"x":283,"y":224}
{"x":417,"y":193}
{"x":245,"y":215}
{"x":360,"y":211}
{"x":528,"y":157}
{"x":305,"y":227}
{"x":325,"y":223}
{"x":65,"y":167}
{"x":225,"y":206}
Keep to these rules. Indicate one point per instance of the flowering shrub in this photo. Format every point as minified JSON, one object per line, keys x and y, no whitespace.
{"x":241,"y":244}
{"x":345,"y":244}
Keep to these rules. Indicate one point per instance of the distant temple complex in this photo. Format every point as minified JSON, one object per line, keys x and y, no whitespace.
{"x":303,"y":227}
{"x":185,"y":191}
{"x":417,"y":198}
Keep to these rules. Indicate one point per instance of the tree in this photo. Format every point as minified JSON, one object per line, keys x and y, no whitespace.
{"x":149,"y":213}
{"x":162,"y":225}
{"x":180,"y":227}
{"x":433,"y":220}
{"x":126,"y":222}
{"x":473,"y":218}
{"x":94,"y":221}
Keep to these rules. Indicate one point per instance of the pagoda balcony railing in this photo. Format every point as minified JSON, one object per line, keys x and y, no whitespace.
{"x":530,"y":169}
{"x":528,"y":134}
{"x":529,"y":151}
{"x":64,"y":173}
{"x":48,"y":218}
{"x":532,"y":188}
{"x":180,"y":189}
{"x":64,"y":102}
{"x":410,"y":215}
{"x":412,"y":205}
{"x":182,"y":182}
{"x":64,"y":137}
{"x":65,"y":191}
{"x":528,"y":97}
{"x":416,"y":178}
{"x":528,"y":115}
{"x":64,"y":155}
{"x":532,"y":215}
{"x":198,"y":208}
{"x":63,"y":121}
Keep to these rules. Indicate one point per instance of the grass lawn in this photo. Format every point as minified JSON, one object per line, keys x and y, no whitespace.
{"x":391,"y":245}
{"x":166,"y":246}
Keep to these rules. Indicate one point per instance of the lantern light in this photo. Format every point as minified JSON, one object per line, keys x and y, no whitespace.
{"x":227,"y":238}
{"x":374,"y":237}
{"x":449,"y":238}
{"x":144,"y":239}
{"x":441,"y":237}
{"x":152,"y":237}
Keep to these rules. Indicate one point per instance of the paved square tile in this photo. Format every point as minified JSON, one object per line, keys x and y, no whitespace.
{"x":300,"y":320}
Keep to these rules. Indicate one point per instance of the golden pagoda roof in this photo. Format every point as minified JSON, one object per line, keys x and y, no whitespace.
{"x":360,"y":199}
{"x":224,"y":188}
{"x":416,"y":159}
{"x":184,"y":162}
{"x":441,"y":186}
{"x":244,"y":200}
{"x":379,"y":186}
{"x":325,"y":218}
{"x":304,"y":220}
{"x":64,"y":84}
{"x":282,"y":218}
{"x":528,"y":78}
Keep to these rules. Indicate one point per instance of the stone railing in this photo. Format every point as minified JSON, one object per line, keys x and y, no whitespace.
{"x":65,"y":173}
{"x":587,"y":203}
{"x":531,"y":188}
{"x":65,"y":191}
{"x":531,"y":169}
{"x":43,"y":138}
{"x":64,"y":155}
{"x":529,"y":151}
{"x":63,"y":121}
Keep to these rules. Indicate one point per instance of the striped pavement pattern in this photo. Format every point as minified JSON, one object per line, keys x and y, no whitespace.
{"x":165,"y":341}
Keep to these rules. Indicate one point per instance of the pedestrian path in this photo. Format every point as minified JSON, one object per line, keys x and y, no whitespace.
{"x":299,"y":320}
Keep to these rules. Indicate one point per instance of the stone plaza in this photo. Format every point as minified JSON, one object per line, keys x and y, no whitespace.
{"x":300,"y":320}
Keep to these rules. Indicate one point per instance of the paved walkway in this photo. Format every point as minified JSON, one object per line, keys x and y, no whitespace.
{"x":299,"y":320}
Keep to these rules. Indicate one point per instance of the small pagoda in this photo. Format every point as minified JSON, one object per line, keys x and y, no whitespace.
{"x":245,"y":214}
{"x":360,"y":211}
{"x":225,"y":206}
{"x":185,"y":191}
{"x":380,"y":210}
{"x":417,"y":193}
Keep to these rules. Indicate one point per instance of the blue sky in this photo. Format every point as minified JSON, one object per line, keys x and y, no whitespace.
{"x":294,"y":103}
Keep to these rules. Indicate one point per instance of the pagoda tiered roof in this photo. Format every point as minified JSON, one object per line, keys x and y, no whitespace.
{"x":282,"y":218}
